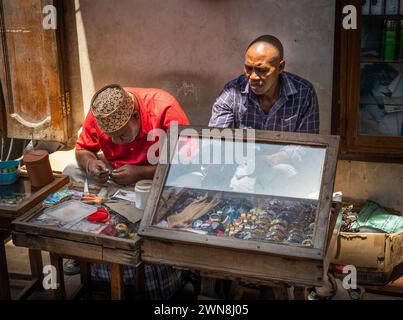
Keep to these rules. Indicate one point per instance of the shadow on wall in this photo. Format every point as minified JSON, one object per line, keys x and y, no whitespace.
{"x":192,"y":48}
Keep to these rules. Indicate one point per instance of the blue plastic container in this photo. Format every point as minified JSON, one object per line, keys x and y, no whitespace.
{"x":9,"y":177}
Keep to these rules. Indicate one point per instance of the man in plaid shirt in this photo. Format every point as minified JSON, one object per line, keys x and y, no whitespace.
{"x":268,"y":98}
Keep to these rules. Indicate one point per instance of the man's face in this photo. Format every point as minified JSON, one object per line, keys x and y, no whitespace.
{"x":262,"y":68}
{"x":128,"y":133}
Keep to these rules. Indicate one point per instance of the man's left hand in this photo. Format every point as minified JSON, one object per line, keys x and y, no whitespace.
{"x":127,"y":174}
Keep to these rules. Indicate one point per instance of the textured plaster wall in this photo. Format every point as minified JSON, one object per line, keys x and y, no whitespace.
{"x":193,"y":47}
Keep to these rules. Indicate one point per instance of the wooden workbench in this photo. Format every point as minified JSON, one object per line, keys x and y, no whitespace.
{"x":81,"y":246}
{"x":7,"y":215}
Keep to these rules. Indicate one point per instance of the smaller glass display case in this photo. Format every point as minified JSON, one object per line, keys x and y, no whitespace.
{"x":269,"y":194}
{"x":100,"y":229}
{"x":19,"y":197}
{"x":369,"y":82}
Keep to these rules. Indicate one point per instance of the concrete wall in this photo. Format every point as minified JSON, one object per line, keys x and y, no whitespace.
{"x":193,"y":47}
{"x":381,"y":182}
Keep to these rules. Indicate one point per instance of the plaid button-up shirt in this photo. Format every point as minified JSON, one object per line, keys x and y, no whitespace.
{"x":296,"y":109}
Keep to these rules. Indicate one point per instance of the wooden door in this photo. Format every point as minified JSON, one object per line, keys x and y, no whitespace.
{"x":37,"y":106}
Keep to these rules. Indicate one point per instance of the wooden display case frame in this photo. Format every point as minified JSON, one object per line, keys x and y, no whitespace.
{"x":260,"y":261}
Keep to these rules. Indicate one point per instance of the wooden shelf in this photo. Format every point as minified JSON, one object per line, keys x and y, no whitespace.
{"x":378,"y":60}
{"x":383,"y":16}
{"x":395,"y":101}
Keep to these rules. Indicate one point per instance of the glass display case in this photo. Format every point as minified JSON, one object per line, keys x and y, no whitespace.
{"x":65,"y":223}
{"x":270,"y":195}
{"x":15,"y":200}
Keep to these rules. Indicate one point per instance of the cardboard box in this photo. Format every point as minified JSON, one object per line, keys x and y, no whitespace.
{"x":375,"y":255}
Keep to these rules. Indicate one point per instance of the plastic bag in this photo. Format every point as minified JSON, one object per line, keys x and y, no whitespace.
{"x":375,"y":216}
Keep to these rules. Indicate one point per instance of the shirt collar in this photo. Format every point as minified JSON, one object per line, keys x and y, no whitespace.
{"x":144,"y":121}
{"x":287,"y":87}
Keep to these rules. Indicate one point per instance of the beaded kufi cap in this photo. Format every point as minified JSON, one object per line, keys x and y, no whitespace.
{"x":112,"y":107}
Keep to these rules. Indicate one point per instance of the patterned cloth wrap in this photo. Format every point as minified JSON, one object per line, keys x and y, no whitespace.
{"x":161,"y":282}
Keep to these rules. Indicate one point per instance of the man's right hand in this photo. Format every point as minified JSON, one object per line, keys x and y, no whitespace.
{"x":98,"y":171}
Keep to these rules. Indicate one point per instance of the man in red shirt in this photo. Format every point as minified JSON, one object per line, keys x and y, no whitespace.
{"x":118,"y":124}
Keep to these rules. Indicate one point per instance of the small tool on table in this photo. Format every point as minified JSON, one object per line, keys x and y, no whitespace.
{"x":92,"y":199}
{"x":86,"y":189}
{"x":89,"y":198}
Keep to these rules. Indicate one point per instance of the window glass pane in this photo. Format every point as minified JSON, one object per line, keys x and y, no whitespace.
{"x":269,"y":192}
{"x":381,"y":83}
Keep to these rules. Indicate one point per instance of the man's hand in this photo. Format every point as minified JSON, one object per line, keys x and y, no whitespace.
{"x":276,"y":158}
{"x":97,"y":170}
{"x":127,"y":174}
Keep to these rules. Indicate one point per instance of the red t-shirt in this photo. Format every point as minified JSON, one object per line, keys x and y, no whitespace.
{"x":157,"y":109}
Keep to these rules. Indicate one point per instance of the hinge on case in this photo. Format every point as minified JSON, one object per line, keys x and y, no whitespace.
{"x":66,"y":107}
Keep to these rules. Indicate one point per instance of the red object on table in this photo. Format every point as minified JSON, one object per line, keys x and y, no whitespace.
{"x":101,"y":215}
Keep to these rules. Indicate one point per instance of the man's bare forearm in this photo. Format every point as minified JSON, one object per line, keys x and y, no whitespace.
{"x":147,"y":172}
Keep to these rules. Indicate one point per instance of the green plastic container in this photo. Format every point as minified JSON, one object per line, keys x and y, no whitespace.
{"x":401,"y":38}
{"x":390,"y":40}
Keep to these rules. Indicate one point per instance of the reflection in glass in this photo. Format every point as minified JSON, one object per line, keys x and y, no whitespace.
{"x":381,"y":104}
{"x":14,"y":194}
{"x":271,"y":195}
{"x":269,"y":169}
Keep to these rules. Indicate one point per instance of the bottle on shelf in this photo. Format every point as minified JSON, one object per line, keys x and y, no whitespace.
{"x":390,"y":40}
{"x":365,"y":7}
{"x":377,"y":7}
{"x":401,"y":41}
{"x":401,"y":7}
{"x":392,"y":7}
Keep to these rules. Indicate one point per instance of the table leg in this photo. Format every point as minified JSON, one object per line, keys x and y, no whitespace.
{"x":4,"y":280}
{"x":235,"y":292}
{"x":35,"y":261}
{"x":57,"y":262}
{"x":85,"y":270}
{"x":276,"y":293}
{"x":117,"y":285}
{"x":207,"y":288}
{"x":140,"y":281}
